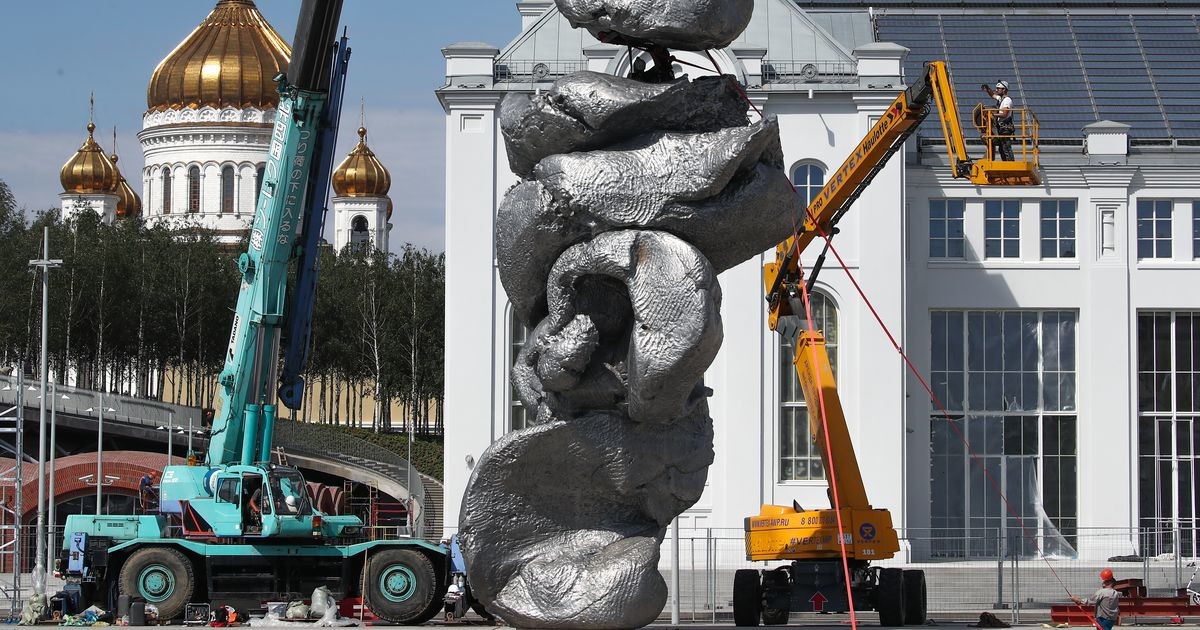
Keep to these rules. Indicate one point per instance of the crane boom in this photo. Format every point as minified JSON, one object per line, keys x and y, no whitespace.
{"x":768,"y":536}
{"x":832,"y":549}
{"x":300,"y":140}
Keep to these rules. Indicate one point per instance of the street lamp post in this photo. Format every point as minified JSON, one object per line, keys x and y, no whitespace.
{"x":39,"y":566}
{"x":53,"y":445}
{"x":19,"y":466}
{"x":100,"y":454}
{"x":170,"y":436}
{"x":99,"y":448}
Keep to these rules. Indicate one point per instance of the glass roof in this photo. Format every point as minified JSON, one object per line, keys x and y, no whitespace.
{"x":1071,"y":70}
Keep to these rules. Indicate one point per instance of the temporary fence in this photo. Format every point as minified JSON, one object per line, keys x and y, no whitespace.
{"x":992,"y":571}
{"x":1000,"y":576}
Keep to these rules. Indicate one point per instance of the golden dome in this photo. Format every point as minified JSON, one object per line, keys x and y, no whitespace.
{"x":230,"y":60}
{"x":128,"y":202}
{"x":361,"y":174}
{"x":89,"y":170}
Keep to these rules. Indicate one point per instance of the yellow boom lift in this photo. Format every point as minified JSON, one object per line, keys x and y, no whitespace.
{"x":815,"y":578}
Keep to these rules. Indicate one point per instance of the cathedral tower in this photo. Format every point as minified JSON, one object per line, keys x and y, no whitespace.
{"x":210,"y":106}
{"x":361,"y":206}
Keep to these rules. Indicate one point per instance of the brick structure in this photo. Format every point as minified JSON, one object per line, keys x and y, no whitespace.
{"x":74,"y":476}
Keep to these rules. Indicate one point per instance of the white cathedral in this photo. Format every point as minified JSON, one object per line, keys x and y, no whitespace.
{"x":210,"y":105}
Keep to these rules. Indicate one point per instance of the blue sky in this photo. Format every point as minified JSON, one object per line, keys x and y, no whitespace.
{"x":58,"y":51}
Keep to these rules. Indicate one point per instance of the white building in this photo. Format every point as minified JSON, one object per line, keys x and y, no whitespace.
{"x":210,"y":107}
{"x":1056,"y":323}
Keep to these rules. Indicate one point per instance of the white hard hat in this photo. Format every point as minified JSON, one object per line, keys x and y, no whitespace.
{"x":1002,"y":84}
{"x":452,"y":589}
{"x":290,"y":500}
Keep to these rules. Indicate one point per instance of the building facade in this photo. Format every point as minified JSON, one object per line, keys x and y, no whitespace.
{"x":1050,"y":322}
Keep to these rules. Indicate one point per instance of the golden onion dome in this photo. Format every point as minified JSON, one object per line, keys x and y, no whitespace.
{"x":89,"y":170}
{"x":390,"y":208}
{"x":128,"y":202}
{"x":230,"y":60}
{"x":361,"y":174}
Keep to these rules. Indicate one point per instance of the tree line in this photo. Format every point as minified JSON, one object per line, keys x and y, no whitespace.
{"x":146,"y":310}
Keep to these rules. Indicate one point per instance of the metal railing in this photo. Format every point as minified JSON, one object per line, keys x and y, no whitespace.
{"x":808,"y":71}
{"x":509,"y":71}
{"x":1023,"y":141}
{"x":295,"y":437}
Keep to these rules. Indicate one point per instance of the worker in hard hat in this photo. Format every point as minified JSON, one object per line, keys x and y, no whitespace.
{"x":1108,"y":608}
{"x":1002,"y":121}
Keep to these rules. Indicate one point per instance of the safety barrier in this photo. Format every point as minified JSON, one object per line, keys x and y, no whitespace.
{"x":1024,"y":139}
{"x":1002,"y":575}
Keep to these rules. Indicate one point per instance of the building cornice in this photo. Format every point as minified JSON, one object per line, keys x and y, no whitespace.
{"x":208,"y":115}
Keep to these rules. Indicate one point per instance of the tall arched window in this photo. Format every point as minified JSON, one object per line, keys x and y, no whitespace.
{"x":518,"y":417}
{"x":166,"y":190}
{"x":808,"y":178}
{"x":194,"y":189}
{"x":258,"y":179}
{"x":227,"y":190}
{"x":799,"y":459}
{"x":359,"y":231}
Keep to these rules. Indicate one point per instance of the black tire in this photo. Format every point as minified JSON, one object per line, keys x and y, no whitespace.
{"x":161,"y":576}
{"x":774,"y":616}
{"x":747,"y":597}
{"x":889,"y":597}
{"x":915,"y":600}
{"x":401,"y":586}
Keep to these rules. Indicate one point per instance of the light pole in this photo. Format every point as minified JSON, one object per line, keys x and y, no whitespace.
{"x":99,"y":450}
{"x":53,"y":445}
{"x":39,"y":563}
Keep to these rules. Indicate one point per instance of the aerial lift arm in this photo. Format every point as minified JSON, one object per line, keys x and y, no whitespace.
{"x":785,"y":290}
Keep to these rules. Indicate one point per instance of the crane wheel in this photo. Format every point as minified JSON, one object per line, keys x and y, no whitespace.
{"x":774,"y":616}
{"x":161,"y":576}
{"x":915,"y":602}
{"x":401,"y":586}
{"x":889,"y":597}
{"x":747,"y":597}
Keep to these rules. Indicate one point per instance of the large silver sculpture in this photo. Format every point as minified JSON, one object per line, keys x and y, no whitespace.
{"x":634,"y":196}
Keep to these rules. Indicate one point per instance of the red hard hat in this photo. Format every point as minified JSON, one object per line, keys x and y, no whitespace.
{"x":1106,"y":574}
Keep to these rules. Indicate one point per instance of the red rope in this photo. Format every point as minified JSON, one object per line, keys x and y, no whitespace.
{"x":837,"y":503}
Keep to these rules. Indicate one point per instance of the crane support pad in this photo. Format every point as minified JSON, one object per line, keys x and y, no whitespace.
{"x":783,"y":533}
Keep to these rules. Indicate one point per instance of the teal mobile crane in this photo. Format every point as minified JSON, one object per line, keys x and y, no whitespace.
{"x":240,"y":529}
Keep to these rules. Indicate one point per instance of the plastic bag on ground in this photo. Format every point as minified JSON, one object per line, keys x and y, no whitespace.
{"x":297,"y":610}
{"x":34,"y":610}
{"x":322,"y":600}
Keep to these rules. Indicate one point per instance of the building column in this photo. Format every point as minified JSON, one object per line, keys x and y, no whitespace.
{"x":475,"y":350}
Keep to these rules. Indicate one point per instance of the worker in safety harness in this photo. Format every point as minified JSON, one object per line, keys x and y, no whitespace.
{"x":1002,"y":121}
{"x":1106,"y":601}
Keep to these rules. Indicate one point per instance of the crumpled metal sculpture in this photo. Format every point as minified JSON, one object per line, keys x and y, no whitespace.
{"x":633,"y":198}
{"x":681,"y":24}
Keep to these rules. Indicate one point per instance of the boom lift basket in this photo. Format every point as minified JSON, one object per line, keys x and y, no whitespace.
{"x":1022,"y":170}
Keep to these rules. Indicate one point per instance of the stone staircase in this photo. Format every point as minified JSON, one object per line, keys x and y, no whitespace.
{"x":434,"y":501}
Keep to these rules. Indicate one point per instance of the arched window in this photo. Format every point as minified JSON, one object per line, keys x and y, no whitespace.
{"x":799,"y":459}
{"x":166,"y":190}
{"x":359,"y":231}
{"x":258,"y":181}
{"x":227,"y":190}
{"x":194,"y":189}
{"x":808,"y":178}
{"x":518,"y":417}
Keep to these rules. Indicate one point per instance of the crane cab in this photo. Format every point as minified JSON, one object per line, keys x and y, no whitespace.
{"x":248,"y":502}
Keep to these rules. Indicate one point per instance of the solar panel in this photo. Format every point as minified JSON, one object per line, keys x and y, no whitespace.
{"x":1070,"y":69}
